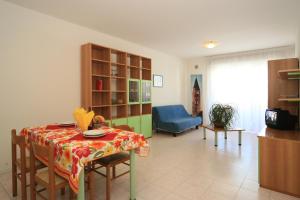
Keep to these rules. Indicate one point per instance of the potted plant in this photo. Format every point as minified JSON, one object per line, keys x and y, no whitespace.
{"x":221,"y":115}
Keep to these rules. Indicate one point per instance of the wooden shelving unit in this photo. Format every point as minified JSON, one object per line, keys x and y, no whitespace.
{"x":279,"y":161}
{"x":117,"y":85}
{"x":283,"y":88}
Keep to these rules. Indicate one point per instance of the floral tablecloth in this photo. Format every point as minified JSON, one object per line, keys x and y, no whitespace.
{"x":73,"y":150}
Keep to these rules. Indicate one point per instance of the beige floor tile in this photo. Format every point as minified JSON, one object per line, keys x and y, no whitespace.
{"x":215,"y":196}
{"x":191,"y":191}
{"x":252,"y":195}
{"x":226,"y":190}
{"x":3,"y":194}
{"x":5,"y":181}
{"x":176,"y":196}
{"x":153,"y":191}
{"x":200,"y":181}
{"x":280,"y":196}
{"x":252,"y":185}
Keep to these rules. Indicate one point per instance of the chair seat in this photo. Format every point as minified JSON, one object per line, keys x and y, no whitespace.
{"x":113,"y":159}
{"x":43,"y":177}
{"x":38,"y":164}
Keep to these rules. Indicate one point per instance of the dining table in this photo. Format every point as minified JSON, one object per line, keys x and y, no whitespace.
{"x":74,"y":151}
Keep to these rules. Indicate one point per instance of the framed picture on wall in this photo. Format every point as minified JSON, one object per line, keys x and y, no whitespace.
{"x":157,"y":80}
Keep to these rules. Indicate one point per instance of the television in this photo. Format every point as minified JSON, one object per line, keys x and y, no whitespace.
{"x":280,"y":119}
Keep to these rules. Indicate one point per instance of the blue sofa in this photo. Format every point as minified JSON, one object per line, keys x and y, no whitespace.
{"x":174,"y":119}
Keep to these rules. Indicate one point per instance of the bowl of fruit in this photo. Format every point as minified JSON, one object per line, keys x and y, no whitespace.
{"x":99,"y":121}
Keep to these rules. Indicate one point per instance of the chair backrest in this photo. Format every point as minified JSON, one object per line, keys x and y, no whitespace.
{"x":19,"y":141}
{"x":123,"y":127}
{"x":46,"y":152}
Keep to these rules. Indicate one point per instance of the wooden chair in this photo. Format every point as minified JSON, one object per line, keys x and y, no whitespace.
{"x":21,"y":165}
{"x":110,"y":162}
{"x":46,"y":178}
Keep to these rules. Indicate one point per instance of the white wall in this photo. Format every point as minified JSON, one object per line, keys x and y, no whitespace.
{"x":40,"y":70}
{"x":297,"y":45}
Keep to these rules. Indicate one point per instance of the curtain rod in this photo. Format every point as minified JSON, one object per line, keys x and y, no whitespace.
{"x":251,"y":52}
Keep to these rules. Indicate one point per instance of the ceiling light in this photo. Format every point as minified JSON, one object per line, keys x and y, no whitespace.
{"x":210,"y":44}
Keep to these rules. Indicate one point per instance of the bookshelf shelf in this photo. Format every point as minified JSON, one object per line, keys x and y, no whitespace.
{"x":101,"y":61}
{"x":289,"y":74}
{"x":289,"y":99}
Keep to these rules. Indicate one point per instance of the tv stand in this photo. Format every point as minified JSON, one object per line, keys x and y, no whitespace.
{"x":279,"y":150}
{"x":279,"y":160}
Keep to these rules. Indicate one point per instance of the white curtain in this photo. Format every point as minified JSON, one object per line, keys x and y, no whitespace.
{"x":241,"y":80}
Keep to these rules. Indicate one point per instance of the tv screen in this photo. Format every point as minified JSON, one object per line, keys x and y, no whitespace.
{"x":271,"y":117}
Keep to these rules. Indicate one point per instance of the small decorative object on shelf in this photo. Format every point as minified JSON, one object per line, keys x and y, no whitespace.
{"x":114,"y":71}
{"x":99,"y":85}
{"x":221,"y":115}
{"x":120,"y":101}
{"x":157,"y":80}
{"x":113,"y":57}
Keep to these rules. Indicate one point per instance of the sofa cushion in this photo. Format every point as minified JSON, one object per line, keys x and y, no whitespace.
{"x":174,"y":118}
{"x":180,"y":124}
{"x":165,"y":113}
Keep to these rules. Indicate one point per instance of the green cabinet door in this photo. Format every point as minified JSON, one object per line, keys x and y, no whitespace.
{"x":135,"y":122}
{"x":119,"y":121}
{"x":109,"y":122}
{"x":146,"y":125}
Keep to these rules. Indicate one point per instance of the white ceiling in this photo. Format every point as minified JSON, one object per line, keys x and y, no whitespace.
{"x":180,"y":27}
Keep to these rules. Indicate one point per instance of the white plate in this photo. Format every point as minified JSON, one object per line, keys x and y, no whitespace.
{"x":93,"y":136}
{"x":66,"y":124}
{"x":95,"y":133}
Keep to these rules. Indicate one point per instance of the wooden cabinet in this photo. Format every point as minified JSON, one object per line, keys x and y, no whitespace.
{"x":120,"y":121}
{"x":111,"y":86}
{"x":279,"y":161}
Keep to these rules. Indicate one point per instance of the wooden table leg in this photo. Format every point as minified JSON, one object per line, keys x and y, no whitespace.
{"x":132,"y":175}
{"x":204,"y":133}
{"x":108,"y":182}
{"x":32,"y":175}
{"x":225,"y":135}
{"x":240,"y":137}
{"x":216,"y":138}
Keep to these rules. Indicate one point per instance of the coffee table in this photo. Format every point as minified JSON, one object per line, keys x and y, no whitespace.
{"x":225,"y":130}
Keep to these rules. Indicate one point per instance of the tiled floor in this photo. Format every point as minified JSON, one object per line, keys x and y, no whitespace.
{"x":187,"y":167}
